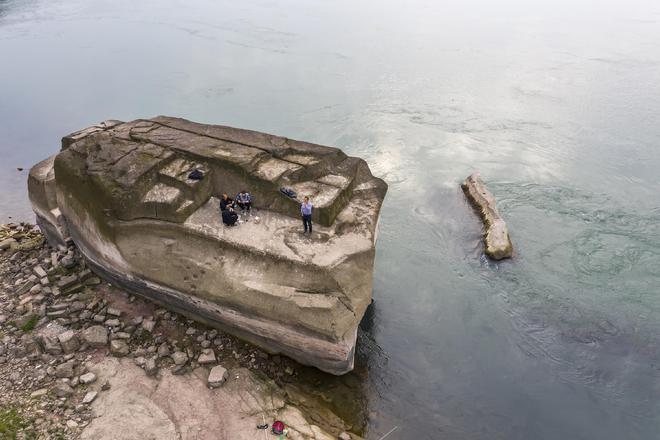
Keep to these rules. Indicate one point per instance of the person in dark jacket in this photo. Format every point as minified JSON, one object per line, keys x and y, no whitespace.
{"x":226,"y":201}
{"x":229,"y":216}
{"x":306,"y":212}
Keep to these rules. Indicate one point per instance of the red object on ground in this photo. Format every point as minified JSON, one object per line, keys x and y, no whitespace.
{"x":278,"y":427}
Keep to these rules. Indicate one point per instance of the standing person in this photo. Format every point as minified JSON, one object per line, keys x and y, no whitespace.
{"x":244,"y":200}
{"x":306,"y":211}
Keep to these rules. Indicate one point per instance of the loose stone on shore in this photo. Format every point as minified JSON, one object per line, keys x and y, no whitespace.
{"x":119,"y":347}
{"x":68,"y":341}
{"x":150,"y":367}
{"x":87,"y":378}
{"x":217,"y":376}
{"x":179,"y":357}
{"x":89,"y":397}
{"x":207,"y":357}
{"x":95,"y":336}
{"x":65,"y":370}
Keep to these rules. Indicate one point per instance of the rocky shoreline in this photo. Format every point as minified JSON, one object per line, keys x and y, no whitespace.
{"x":77,"y":352}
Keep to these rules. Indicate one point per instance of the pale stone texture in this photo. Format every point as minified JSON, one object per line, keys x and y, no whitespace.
{"x":119,"y":347}
{"x":183,"y":407}
{"x":7,"y":243}
{"x":89,"y":397}
{"x":63,"y":389}
{"x":95,"y":336}
{"x":128,"y":204}
{"x":68,"y":341}
{"x":497,"y":241}
{"x":179,"y":357}
{"x":207,"y":357}
{"x":66,"y":369}
{"x":87,"y":378}
{"x":217,"y":376}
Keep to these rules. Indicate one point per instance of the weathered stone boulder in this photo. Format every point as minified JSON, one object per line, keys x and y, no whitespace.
{"x":122,"y":192}
{"x":497,"y":241}
{"x":95,"y":336}
{"x":69,"y":341}
{"x":217,"y":376}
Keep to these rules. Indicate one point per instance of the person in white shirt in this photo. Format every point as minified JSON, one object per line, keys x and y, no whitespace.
{"x":306,"y":212}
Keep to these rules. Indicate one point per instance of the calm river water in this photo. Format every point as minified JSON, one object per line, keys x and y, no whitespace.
{"x":556,"y":103}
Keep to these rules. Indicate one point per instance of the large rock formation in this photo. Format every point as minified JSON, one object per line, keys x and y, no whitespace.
{"x":122,"y":193}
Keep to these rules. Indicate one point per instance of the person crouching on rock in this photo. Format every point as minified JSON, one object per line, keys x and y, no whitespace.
{"x":306,"y":211}
{"x":226,"y":201}
{"x":229,"y":216}
{"x":244,"y":201}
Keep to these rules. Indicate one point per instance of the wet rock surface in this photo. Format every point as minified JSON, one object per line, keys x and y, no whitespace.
{"x":69,"y":376}
{"x":496,"y":238}
{"x":123,"y":193}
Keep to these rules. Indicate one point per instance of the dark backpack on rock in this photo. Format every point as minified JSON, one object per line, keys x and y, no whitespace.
{"x":289,"y":192}
{"x":196,"y":175}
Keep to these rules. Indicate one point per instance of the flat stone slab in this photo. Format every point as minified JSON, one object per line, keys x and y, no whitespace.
{"x":496,"y":239}
{"x":183,"y":407}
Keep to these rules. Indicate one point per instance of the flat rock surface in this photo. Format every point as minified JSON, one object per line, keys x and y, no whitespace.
{"x":174,"y":407}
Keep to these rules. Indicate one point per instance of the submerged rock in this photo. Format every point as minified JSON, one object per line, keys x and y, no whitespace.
{"x":123,"y":193}
{"x":497,"y":241}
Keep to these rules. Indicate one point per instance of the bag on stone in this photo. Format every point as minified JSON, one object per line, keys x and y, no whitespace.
{"x":278,"y":427}
{"x":196,"y":175}
{"x":289,"y":192}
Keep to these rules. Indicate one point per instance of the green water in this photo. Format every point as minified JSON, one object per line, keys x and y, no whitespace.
{"x":556,"y":103}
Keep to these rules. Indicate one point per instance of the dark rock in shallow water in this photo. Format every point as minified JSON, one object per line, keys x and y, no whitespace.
{"x":122,"y":191}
